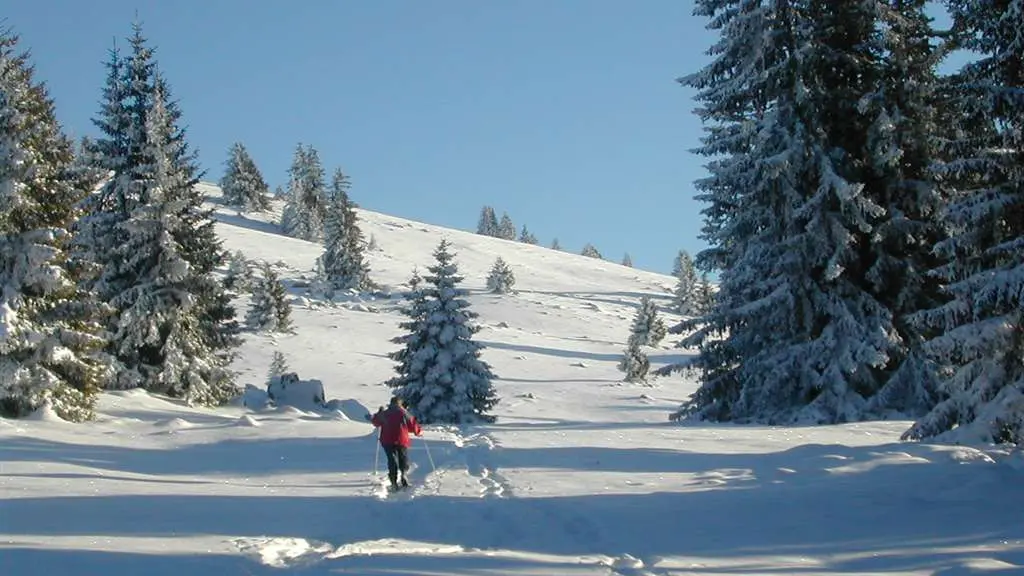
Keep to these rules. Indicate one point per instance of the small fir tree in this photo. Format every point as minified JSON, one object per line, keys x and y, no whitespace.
{"x":243,"y":185}
{"x":634,"y":363}
{"x":501,"y":280}
{"x":270,"y":310}
{"x":686,"y":298}
{"x":239,"y":273}
{"x":506,"y":229}
{"x":648,"y":328}
{"x":343,"y":265}
{"x":488,"y":224}
{"x":440,"y":374}
{"x":627,"y":261}
{"x":306,"y":198}
{"x":555,"y":245}
{"x":527,"y":237}
{"x":278,"y":366}
{"x":590,"y":252}
{"x":703,"y":296}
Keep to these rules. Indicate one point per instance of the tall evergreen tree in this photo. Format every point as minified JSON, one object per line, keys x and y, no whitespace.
{"x":556,"y":245}
{"x":243,"y":185}
{"x":686,"y":283}
{"x":440,"y":374}
{"x":306,"y":197}
{"x":506,"y":229}
{"x":903,"y":109}
{"x":979,"y":345}
{"x":343,"y":263}
{"x":627,"y":261}
{"x":590,"y":251}
{"x":798,"y":332}
{"x":527,"y":237}
{"x":173,"y":326}
{"x":49,"y":331}
{"x":488,"y":224}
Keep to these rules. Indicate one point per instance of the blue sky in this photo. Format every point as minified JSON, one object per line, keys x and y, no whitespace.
{"x":565,"y":114}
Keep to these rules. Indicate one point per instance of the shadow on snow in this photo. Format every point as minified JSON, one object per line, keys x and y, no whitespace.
{"x":909,"y":513}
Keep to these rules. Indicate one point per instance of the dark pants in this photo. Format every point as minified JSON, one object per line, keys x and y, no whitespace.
{"x":398,"y":459}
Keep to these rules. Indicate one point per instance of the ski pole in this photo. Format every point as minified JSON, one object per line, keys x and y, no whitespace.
{"x":376,"y":454}
{"x":429,"y":457}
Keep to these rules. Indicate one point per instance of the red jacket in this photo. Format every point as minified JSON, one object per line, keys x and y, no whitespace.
{"x":395,"y":425}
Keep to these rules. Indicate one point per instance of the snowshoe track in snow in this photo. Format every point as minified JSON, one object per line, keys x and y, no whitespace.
{"x":477,"y":451}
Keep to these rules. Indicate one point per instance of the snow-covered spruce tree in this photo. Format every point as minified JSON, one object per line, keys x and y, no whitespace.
{"x":306,"y":198}
{"x":903,"y":110}
{"x":440,"y":374}
{"x":343,"y":263}
{"x":49,"y":330}
{"x":685,"y":300}
{"x":501,"y":279}
{"x":590,"y":251}
{"x":506,"y":229}
{"x":634,"y":363}
{"x":527,"y":237}
{"x":627,"y":261}
{"x":243,"y":184}
{"x":799,"y":332}
{"x":269,"y":309}
{"x":648,"y":328}
{"x":175,"y":329}
{"x":980,"y":344}
{"x":488,"y":224}
{"x":239,"y":273}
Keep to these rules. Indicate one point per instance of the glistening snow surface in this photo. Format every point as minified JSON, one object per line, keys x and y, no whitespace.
{"x":580,"y":474}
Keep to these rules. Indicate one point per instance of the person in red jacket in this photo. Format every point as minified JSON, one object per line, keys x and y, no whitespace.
{"x":395,"y":424}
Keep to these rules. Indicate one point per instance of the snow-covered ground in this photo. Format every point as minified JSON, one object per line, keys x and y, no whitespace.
{"x":580,"y":474}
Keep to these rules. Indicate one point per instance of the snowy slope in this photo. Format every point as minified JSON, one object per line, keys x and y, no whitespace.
{"x":580,"y":474}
